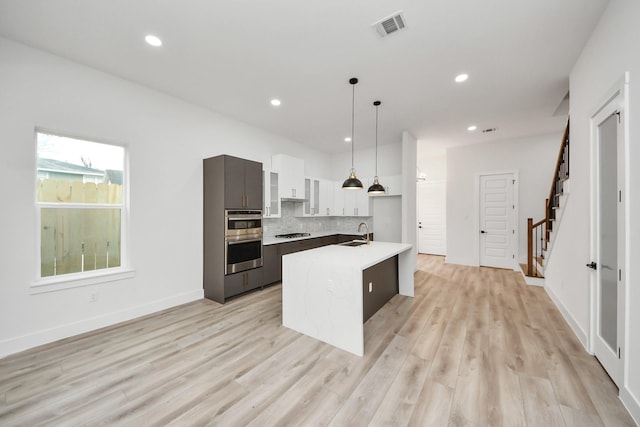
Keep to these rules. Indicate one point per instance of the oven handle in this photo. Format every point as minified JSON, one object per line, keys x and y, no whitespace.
{"x":237,"y":242}
{"x":243,"y":217}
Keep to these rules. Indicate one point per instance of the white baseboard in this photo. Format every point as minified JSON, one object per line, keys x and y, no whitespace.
{"x":631,"y":403}
{"x":470,"y":262}
{"x":573,"y":324}
{"x":533,"y":281}
{"x":25,"y":342}
{"x":460,"y":261}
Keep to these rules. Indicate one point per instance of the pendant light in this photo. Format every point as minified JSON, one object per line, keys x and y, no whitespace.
{"x":352,"y":183}
{"x":376,"y":188}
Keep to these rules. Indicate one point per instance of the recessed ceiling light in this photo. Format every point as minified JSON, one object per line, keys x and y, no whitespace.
{"x":347,"y":139}
{"x":472,"y":128}
{"x":275,"y":102}
{"x":153,"y":40}
{"x":461,"y":77}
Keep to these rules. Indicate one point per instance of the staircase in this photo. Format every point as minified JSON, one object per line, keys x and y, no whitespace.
{"x":540,"y":233}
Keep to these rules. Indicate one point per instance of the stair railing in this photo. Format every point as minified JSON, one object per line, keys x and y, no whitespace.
{"x":536,"y":245}
{"x":540,"y":231}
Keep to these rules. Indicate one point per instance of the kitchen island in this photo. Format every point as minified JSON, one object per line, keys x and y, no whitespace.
{"x":324,"y":293}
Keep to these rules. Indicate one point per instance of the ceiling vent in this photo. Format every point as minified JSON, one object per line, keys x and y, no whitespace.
{"x":489,"y":130}
{"x":390,"y":24}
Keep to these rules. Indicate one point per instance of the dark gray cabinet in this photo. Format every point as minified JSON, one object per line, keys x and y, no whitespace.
{"x":228,"y":183}
{"x":272,"y":254}
{"x":272,"y":263}
{"x":242,"y":183}
{"x":379,"y":285}
{"x":235,"y":284}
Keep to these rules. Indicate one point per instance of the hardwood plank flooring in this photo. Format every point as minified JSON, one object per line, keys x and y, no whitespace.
{"x":474,"y":347}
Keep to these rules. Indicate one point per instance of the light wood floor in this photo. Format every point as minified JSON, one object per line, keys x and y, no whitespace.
{"x":475,"y":347}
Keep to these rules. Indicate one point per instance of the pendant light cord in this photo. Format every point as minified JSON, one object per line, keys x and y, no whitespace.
{"x":376,"y":141}
{"x":353,"y":118}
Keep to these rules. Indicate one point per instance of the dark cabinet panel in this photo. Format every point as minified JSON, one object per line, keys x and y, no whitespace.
{"x":379,"y":285}
{"x":329,"y":240}
{"x":236,"y":284}
{"x":253,"y":184}
{"x":273,"y":254}
{"x":272,"y":262}
{"x":242,"y":183}
{"x":228,"y":183}
{"x":234,"y":193}
{"x":303,"y":245}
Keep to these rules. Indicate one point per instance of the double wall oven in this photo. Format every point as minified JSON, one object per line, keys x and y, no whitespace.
{"x":243,"y":240}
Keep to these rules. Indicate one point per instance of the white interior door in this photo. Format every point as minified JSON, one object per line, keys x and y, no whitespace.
{"x":497,"y":220}
{"x":610,"y":228}
{"x":432,"y":217}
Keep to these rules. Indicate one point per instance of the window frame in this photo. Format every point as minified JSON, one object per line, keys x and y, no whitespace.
{"x":72,"y":280}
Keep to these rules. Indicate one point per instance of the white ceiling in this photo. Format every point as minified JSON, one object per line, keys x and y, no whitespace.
{"x":233,"y":56}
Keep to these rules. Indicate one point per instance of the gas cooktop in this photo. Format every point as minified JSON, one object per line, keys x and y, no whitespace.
{"x":293,"y":235}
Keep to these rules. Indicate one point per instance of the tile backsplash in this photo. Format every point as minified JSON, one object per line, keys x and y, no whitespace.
{"x":289,"y":223}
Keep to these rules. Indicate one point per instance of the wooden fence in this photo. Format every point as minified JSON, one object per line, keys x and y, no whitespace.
{"x":77,"y":239}
{"x":62,"y":191}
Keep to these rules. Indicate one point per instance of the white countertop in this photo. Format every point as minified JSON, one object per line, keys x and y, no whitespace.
{"x":361,"y":257}
{"x":271,"y":240}
{"x":322,"y":290}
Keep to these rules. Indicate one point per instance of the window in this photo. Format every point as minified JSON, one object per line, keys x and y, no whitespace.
{"x":81,"y":206}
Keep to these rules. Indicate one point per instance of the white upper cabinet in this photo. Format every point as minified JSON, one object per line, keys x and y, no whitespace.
{"x":291,"y":175}
{"x":326,"y":199}
{"x":308,"y":207}
{"x":338,"y":199}
{"x":391,"y":183}
{"x":353,"y":202}
{"x":318,"y":194}
{"x":271,"y":194}
{"x":363,"y":202}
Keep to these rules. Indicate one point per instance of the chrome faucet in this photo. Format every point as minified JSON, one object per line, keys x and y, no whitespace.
{"x":366,"y":228}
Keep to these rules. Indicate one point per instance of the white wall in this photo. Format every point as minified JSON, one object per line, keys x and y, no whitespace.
{"x":409,"y":206}
{"x":389,"y":162}
{"x":387,"y":214}
{"x":611,"y":51}
{"x":167,"y":140}
{"x":432,"y":161}
{"x":533,"y":157}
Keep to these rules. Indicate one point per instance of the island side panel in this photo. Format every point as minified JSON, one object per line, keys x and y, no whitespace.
{"x":405,"y":272}
{"x":322,"y":298}
{"x":379,"y":285}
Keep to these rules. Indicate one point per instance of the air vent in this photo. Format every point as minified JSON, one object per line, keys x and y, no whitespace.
{"x":489,"y":130}
{"x":390,"y":24}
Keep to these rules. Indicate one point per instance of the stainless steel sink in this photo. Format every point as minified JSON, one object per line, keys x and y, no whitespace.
{"x":354,"y":243}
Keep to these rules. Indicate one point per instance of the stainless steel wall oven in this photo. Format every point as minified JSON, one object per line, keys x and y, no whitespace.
{"x":243,"y":240}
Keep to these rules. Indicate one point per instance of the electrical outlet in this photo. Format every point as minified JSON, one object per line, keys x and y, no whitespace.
{"x":93,"y":296}
{"x":370,"y":287}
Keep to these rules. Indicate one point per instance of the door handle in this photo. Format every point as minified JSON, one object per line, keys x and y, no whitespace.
{"x":592,"y":265}
{"x":483,"y":232}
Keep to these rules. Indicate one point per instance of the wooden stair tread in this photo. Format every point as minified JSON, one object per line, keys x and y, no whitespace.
{"x":537,"y":273}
